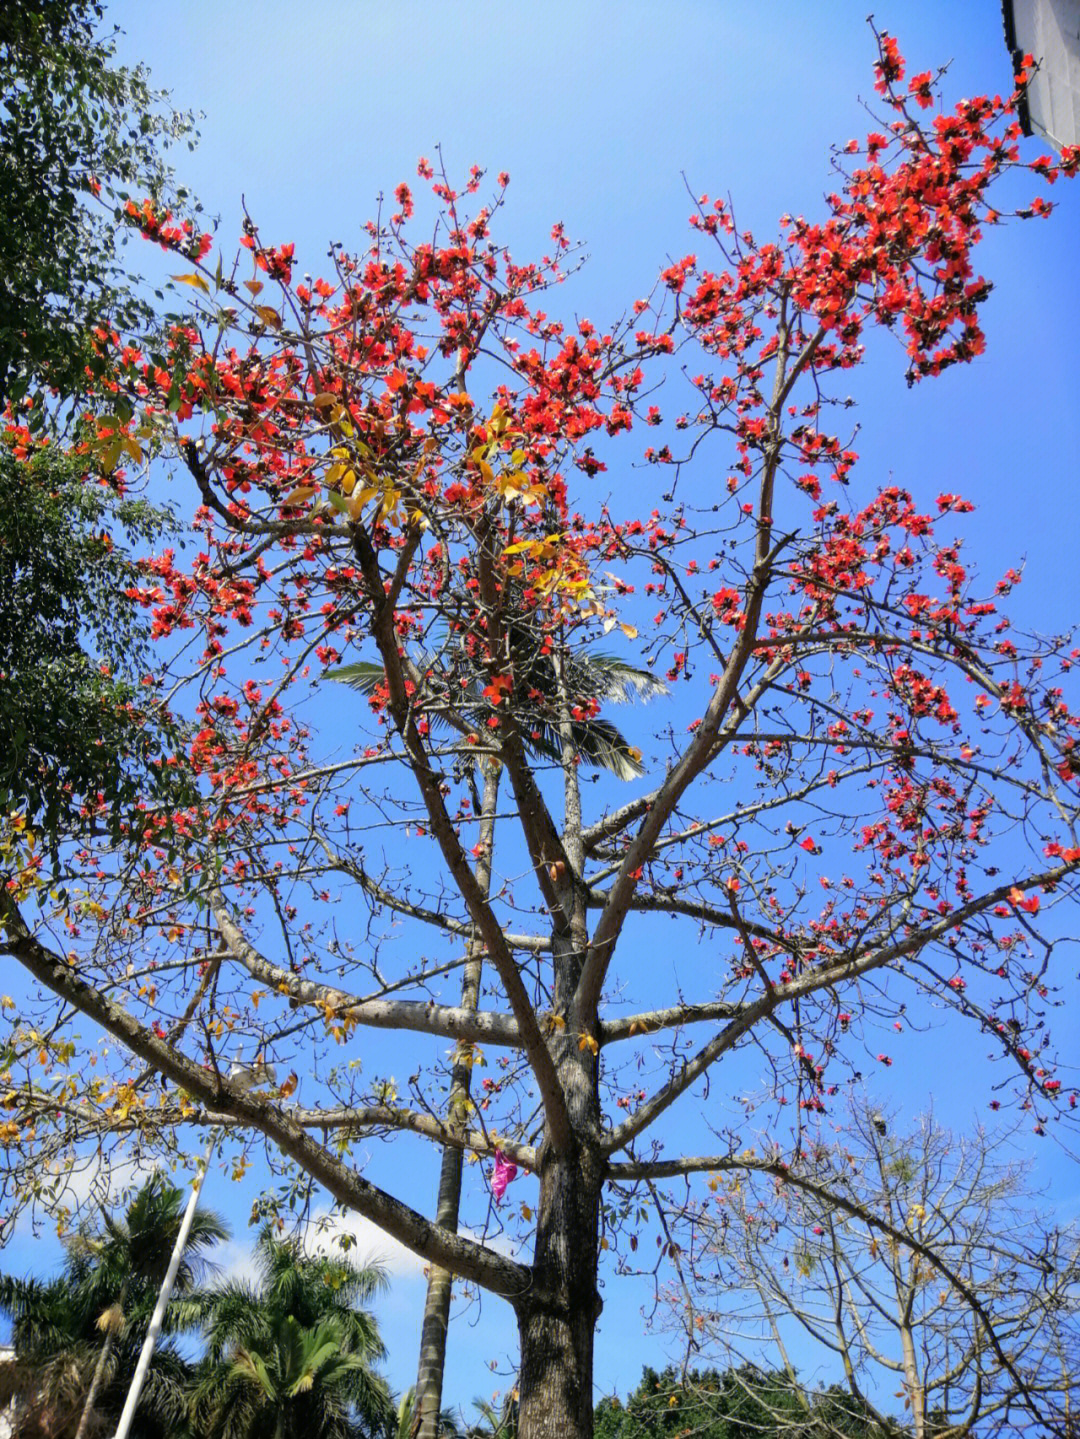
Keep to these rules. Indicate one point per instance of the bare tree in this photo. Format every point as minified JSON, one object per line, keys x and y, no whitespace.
{"x":905,"y":1267}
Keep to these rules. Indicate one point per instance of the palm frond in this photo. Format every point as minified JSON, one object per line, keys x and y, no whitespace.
{"x":588,"y":675}
{"x":361,"y":676}
{"x":613,"y":679}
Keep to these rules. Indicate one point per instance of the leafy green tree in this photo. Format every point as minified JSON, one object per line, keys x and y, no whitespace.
{"x":80,"y":139}
{"x":294,"y":1353}
{"x":84,"y":740}
{"x":77,"y":1337}
{"x":298,"y":1383}
{"x":738,"y":1403}
{"x":495,"y":1421}
{"x":78,"y":135}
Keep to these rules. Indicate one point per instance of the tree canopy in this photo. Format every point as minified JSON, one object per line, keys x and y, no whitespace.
{"x":861,"y":804}
{"x":81,"y":739}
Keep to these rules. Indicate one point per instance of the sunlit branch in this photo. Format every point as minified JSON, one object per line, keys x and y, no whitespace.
{"x":456,"y":1252}
{"x":420,"y":1015}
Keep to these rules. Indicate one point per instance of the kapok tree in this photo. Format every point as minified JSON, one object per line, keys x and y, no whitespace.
{"x":864,"y":798}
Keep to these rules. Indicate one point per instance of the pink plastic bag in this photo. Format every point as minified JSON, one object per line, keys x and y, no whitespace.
{"x":502,"y":1174}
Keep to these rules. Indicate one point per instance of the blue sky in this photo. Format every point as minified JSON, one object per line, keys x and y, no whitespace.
{"x":599,"y":111}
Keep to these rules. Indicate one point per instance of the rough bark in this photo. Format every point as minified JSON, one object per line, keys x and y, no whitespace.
{"x":557,"y":1318}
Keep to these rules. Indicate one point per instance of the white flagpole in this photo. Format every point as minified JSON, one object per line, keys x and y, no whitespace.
{"x":157,"y":1319}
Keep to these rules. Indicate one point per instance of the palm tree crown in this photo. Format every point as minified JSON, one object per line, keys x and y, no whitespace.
{"x":293,"y":1352}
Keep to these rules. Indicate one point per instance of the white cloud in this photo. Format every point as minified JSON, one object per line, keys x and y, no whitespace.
{"x":234,"y":1263}
{"x":325,"y":1229}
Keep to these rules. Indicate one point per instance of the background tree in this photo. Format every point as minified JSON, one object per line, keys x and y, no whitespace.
{"x":77,"y":1337}
{"x":83,"y":737}
{"x":85,"y":742}
{"x":851,"y":1286}
{"x":744,"y":1402}
{"x":295,"y":1352}
{"x":863,"y":797}
{"x":78,"y":135}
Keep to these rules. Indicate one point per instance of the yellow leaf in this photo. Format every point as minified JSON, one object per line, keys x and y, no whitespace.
{"x":511,"y":483}
{"x":630,"y":631}
{"x":300,"y":494}
{"x":253,"y":285}
{"x":486,"y":471}
{"x":526,"y":1212}
{"x":586,"y":1041}
{"x":269,"y":316}
{"x":391,"y":497}
{"x":196,"y":280}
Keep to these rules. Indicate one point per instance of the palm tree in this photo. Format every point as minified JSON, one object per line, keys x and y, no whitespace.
{"x":408,"y":1418}
{"x":134,"y":1253}
{"x":293,"y":1352}
{"x":298,"y":1383}
{"x":495,"y":1423}
{"x":76,"y":1338}
{"x":590,"y":678}
{"x":602,"y":678}
{"x":49,"y":1375}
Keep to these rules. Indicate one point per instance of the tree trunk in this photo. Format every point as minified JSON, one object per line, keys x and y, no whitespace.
{"x":912,"y":1381}
{"x":429,"y":1379}
{"x":557,"y":1318}
{"x":95,"y":1385}
{"x":432,"y":1366}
